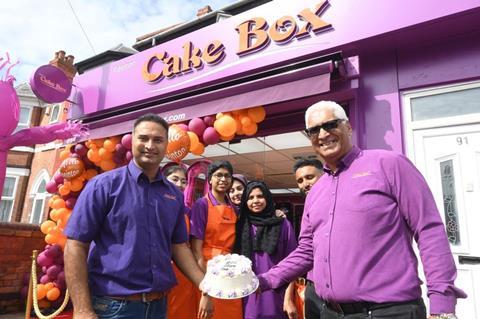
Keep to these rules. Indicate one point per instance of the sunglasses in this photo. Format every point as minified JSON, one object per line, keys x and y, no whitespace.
{"x":327,"y":126}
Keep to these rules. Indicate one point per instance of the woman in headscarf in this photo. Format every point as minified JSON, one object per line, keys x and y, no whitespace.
{"x":212,"y":229}
{"x":266,"y":239}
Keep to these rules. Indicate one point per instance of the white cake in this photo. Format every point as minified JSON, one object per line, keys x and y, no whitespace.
{"x":229,"y":277}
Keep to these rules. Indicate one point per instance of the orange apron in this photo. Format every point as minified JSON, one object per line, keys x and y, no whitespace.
{"x":219,"y":239}
{"x":182,"y":299}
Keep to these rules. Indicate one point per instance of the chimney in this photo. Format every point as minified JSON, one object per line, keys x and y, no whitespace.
{"x":64,"y":63}
{"x":203,"y":11}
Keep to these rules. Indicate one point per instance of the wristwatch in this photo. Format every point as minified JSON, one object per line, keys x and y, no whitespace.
{"x":445,"y":316}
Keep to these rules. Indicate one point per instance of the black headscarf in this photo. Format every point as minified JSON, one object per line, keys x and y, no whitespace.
{"x":268,"y":225}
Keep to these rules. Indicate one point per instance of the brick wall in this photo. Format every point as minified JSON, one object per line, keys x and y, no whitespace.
{"x":17,"y":241}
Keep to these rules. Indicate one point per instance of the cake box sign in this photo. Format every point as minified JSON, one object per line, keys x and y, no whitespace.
{"x":50,"y":84}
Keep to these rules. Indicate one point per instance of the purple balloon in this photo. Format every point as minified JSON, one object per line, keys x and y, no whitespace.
{"x":44,"y":269}
{"x":51,"y":187}
{"x":81,"y":150}
{"x":118,"y":158}
{"x":53,"y":271}
{"x":45,"y":278}
{"x":127,"y":141}
{"x":209,"y":120}
{"x":58,"y":261}
{"x":183,"y":126}
{"x":60,"y":284}
{"x":55,"y":251}
{"x":120,"y":149}
{"x":61,"y":276}
{"x":197,"y":126}
{"x":58,"y":178}
{"x":128,"y":156}
{"x":44,"y":260}
{"x":70,"y":202}
{"x":210,"y":136}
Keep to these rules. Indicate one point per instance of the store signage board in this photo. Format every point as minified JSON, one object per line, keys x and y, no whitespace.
{"x":260,"y":38}
{"x":50,"y":84}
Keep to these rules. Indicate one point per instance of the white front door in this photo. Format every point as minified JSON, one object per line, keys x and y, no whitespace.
{"x":449,"y":159}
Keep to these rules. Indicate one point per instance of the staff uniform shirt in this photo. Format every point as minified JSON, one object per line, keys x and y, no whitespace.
{"x":199,"y":215}
{"x":357,"y":232}
{"x":132,"y":224}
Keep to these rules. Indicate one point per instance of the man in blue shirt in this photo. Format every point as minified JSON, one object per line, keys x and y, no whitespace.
{"x":126,"y":227}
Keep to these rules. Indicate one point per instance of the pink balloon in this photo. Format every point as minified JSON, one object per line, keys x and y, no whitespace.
{"x":45,"y":278}
{"x":81,"y":149}
{"x":127,"y":141}
{"x":183,"y":126}
{"x":55,"y":251}
{"x":58,"y":178}
{"x":209,"y":120}
{"x":53,"y":271}
{"x":51,"y":187}
{"x":44,"y":260}
{"x":120,"y":149}
{"x":210,"y":136}
{"x":197,"y":126}
{"x":128,"y":156}
{"x":70,"y":202}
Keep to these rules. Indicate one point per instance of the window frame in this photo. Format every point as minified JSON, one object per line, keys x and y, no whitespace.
{"x":20,"y":125}
{"x":2,"y":198}
{"x":56,"y":119}
{"x":42,"y":176}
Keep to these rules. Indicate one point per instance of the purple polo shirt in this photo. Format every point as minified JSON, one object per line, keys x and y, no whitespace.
{"x":132,"y":224}
{"x":199,"y":215}
{"x":357,"y":232}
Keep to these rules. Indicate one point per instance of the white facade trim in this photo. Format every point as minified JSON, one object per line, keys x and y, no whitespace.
{"x":15,"y":171}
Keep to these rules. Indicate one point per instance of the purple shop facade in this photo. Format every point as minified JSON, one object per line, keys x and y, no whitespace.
{"x":363,"y":54}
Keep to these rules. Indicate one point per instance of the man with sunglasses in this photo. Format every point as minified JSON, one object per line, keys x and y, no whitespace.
{"x":358,"y":225}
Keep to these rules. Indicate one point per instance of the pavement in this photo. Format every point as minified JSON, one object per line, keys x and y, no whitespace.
{"x":17,"y":315}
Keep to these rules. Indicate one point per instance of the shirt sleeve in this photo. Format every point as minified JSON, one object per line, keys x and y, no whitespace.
{"x":297,"y":263}
{"x":198,"y":218}
{"x":418,"y":207}
{"x":89,"y":211}
{"x":179,"y":234}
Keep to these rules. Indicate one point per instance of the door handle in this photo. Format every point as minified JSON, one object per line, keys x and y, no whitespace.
{"x":469,"y":260}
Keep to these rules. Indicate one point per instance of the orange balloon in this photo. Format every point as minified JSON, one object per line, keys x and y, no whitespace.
{"x":199,"y":149}
{"x":64,"y":154}
{"x":193,"y":140}
{"x":107,"y":165}
{"x":239,"y":130}
{"x":257,"y":114}
{"x":53,"y":293}
{"x":41,"y":291}
{"x":227,"y":138}
{"x":90,"y":173}
{"x":44,"y":303}
{"x":48,"y":286}
{"x":246,"y":121}
{"x":99,"y":142}
{"x":93,"y":156}
{"x":62,"y":241}
{"x":105,"y":154}
{"x":46,"y":226}
{"x":61,"y":213}
{"x":178,"y":144}
{"x":71,"y":167}
{"x":250,"y":130}
{"x":109,"y":145}
{"x":225,"y":125}
{"x":77,"y":185}
{"x":63,"y":190}
{"x":58,"y":203}
{"x":239,"y":112}
{"x":52,"y":199}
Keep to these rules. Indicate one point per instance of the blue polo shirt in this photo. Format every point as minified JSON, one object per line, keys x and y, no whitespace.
{"x":132,"y":224}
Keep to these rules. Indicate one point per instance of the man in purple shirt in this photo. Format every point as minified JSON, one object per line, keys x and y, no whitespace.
{"x":357,"y":229}
{"x":130,"y":224}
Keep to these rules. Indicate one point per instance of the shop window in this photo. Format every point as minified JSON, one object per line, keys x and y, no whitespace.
{"x":8,"y":198}
{"x":445,"y":103}
{"x":55,"y":113}
{"x":40,"y":194}
{"x":24,"y":121}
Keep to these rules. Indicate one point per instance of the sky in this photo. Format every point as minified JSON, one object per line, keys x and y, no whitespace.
{"x":32,"y":31}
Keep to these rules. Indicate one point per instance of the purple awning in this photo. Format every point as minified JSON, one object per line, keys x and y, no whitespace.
{"x":293,"y":85}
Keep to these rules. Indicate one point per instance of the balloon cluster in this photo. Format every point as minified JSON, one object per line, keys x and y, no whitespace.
{"x":210,"y":130}
{"x":80,"y":163}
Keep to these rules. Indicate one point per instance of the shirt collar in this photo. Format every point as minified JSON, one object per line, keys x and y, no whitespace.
{"x":215,"y":202}
{"x":136,"y":172}
{"x":345,"y":161}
